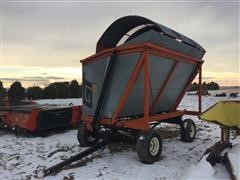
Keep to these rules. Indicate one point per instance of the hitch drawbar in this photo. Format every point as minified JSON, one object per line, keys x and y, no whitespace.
{"x":56,"y":168}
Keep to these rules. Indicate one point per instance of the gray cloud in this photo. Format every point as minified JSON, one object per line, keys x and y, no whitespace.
{"x":77,"y":26}
{"x":43,"y":78}
{"x":59,"y":34}
{"x":34,"y":79}
{"x":208,"y":78}
{"x":54,"y":77}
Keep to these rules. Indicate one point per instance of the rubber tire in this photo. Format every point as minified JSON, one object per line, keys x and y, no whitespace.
{"x":83,"y":134}
{"x":1,"y":123}
{"x":185,"y":130}
{"x":143,"y":147}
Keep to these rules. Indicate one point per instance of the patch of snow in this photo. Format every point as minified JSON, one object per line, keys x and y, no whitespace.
{"x":203,"y":170}
{"x":234,"y":157}
{"x":21,"y":156}
{"x":73,"y":101}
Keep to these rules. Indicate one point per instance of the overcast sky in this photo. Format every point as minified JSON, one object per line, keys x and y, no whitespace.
{"x":43,"y":41}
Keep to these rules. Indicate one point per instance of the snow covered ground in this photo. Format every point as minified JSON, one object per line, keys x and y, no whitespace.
{"x":73,"y":101}
{"x":21,"y":157}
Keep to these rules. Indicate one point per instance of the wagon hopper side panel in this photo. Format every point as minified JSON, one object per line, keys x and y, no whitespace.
{"x":160,"y":69}
{"x":93,"y":74}
{"x":123,"y":69}
{"x":175,"y":86}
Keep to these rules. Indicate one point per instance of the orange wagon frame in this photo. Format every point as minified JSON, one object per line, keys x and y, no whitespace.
{"x":142,"y":123}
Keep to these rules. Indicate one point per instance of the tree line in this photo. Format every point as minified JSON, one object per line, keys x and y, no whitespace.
{"x":205,"y":86}
{"x":52,"y":91}
{"x":64,"y":90}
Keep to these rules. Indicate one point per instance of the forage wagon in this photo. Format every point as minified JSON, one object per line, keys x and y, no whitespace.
{"x":136,"y":80}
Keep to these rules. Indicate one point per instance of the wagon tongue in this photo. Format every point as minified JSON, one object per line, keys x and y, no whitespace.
{"x":58,"y":167}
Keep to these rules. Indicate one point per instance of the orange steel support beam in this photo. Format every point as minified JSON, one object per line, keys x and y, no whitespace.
{"x":173,"y":53}
{"x":150,"y":86}
{"x":193,"y":113}
{"x":164,"y":86}
{"x":167,"y":115}
{"x":200,"y":90}
{"x":146,"y":91}
{"x":131,"y":82}
{"x":138,"y":123}
{"x":153,"y":49}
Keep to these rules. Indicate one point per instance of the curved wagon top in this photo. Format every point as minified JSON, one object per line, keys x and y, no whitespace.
{"x":135,"y":31}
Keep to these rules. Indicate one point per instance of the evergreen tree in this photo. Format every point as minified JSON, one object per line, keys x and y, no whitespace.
{"x":74,"y":89}
{"x":213,"y":86}
{"x":193,"y":87}
{"x":2,"y":91}
{"x":34,"y":92}
{"x":205,"y":86}
{"x":62,"y":89}
{"x":16,"y":91}
{"x":56,"y":90}
{"x":49,"y":92}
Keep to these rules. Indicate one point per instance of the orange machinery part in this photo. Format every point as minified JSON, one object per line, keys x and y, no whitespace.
{"x":28,"y":121}
{"x":76,"y":115}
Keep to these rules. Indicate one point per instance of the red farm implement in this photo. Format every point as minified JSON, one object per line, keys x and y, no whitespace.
{"x":37,"y":118}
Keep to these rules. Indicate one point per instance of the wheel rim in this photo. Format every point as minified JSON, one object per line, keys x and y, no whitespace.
{"x":191,"y":131}
{"x":154,"y":146}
